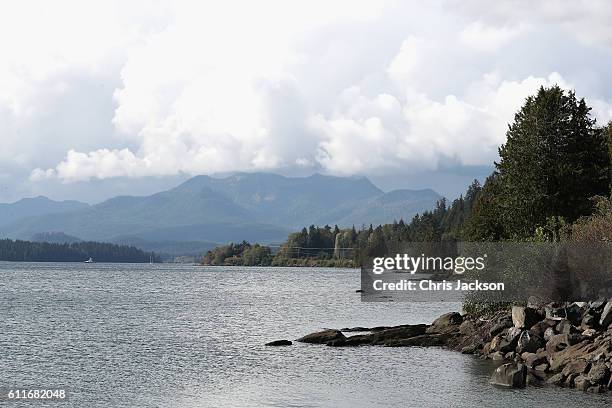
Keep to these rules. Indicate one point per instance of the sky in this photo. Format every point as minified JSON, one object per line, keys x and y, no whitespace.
{"x":105,"y":98}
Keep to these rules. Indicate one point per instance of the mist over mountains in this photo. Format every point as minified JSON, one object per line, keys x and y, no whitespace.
{"x":258,"y":207}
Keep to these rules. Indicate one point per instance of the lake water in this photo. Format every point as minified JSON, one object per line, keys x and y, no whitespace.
{"x":128,"y":335}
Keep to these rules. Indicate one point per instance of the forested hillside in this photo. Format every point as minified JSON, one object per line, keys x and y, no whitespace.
{"x":552,"y":182}
{"x":26,"y":251}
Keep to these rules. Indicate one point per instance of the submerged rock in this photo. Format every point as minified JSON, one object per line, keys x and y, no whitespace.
{"x":510,"y":375}
{"x":279,"y":343}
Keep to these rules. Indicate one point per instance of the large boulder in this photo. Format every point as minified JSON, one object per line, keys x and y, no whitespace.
{"x":322,"y":337}
{"x":525,"y":317}
{"x":528,"y":342}
{"x":447,"y":323}
{"x":574,"y":313}
{"x":510,"y":375}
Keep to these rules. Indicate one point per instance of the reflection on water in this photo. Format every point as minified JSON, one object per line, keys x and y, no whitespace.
{"x":187,"y":336}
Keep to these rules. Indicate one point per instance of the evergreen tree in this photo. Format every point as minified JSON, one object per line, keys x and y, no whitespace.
{"x":553,"y":161}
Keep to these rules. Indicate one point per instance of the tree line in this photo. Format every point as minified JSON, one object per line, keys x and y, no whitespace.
{"x":26,"y":251}
{"x":553,"y":181}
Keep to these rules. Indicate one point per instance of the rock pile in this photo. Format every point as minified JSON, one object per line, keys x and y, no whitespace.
{"x":569,"y":345}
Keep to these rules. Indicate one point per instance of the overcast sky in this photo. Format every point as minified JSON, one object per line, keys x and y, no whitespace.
{"x":104,"y":98}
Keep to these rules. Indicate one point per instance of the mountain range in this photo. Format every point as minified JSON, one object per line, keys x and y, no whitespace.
{"x":258,"y":207}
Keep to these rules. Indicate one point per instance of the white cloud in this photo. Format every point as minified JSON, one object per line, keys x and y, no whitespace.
{"x":487,"y":38}
{"x":104,"y":90}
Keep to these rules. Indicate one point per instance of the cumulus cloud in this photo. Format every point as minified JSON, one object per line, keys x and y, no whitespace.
{"x":343,"y":88}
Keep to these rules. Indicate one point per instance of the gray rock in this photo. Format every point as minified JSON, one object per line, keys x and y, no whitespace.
{"x":574,"y":313}
{"x":322,"y":337}
{"x":510,"y":375}
{"x":447,"y":323}
{"x":582,"y":383}
{"x":525,"y":317}
{"x":596,"y":389}
{"x":576,"y":367}
{"x":497,"y":356}
{"x":499,"y":327}
{"x":556,"y":379}
{"x":279,"y":343}
{"x":528,"y":342}
{"x":424,"y":340}
{"x":548,"y":333}
{"x":542,"y":367}
{"x":599,"y":373}
{"x":532,"y":359}
{"x":468,"y":349}
{"x":398,"y":333}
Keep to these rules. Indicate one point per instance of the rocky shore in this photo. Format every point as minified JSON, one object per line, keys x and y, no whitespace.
{"x":569,"y":345}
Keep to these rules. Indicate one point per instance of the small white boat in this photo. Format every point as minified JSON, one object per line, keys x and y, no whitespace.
{"x":89,"y":261}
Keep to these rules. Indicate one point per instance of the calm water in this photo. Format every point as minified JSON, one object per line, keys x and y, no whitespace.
{"x":186,"y":336}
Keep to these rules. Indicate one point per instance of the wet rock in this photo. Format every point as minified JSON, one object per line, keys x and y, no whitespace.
{"x":528,"y":342}
{"x":599,"y":374}
{"x":279,"y":343}
{"x":447,"y":323}
{"x":582,"y":383}
{"x":322,"y":337}
{"x":569,"y":380}
{"x":497,"y":356}
{"x":532,"y":380}
{"x":354,"y":329}
{"x":424,"y":340}
{"x":556,"y":379}
{"x":596,"y":389}
{"x":536,"y":378}
{"x":468,"y":349}
{"x":398,"y":333}
{"x":525,"y":317}
{"x":510,"y":375}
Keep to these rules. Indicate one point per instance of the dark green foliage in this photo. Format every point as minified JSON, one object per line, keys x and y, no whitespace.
{"x":243,"y":254}
{"x":25,"y":251}
{"x":553,"y":161}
